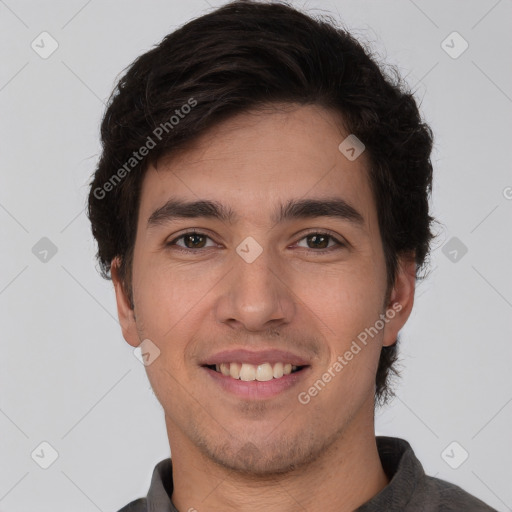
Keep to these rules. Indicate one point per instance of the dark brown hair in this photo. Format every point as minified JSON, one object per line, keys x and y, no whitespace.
{"x":242,"y":56}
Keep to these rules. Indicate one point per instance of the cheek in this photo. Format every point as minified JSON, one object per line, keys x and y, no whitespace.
{"x":166,"y":295}
{"x":162,"y":313}
{"x":348,"y":306}
{"x":346,"y":299}
{"x":166,"y":305}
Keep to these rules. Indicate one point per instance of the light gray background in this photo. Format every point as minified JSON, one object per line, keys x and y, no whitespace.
{"x":67,"y":377}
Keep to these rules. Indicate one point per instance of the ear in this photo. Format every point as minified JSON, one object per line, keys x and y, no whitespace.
{"x":401,"y":299}
{"x":124,"y":310}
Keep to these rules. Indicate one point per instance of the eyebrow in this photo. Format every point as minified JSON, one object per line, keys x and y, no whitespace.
{"x":294,"y":209}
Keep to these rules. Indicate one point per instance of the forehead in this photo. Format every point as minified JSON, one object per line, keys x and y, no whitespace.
{"x":257,"y":160}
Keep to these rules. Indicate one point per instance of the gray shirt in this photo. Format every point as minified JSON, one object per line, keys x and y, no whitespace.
{"x":409,"y":489}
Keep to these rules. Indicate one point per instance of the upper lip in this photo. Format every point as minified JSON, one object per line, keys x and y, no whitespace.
{"x":241,"y":355}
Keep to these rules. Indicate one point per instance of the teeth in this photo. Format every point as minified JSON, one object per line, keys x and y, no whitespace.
{"x":234,"y":370}
{"x":249,"y":372}
{"x":264,"y":372}
{"x":278,"y":370}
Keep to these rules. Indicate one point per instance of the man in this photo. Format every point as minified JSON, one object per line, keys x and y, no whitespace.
{"x":261,"y":205}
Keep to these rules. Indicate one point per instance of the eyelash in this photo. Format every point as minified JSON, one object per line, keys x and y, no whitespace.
{"x":339,"y":244}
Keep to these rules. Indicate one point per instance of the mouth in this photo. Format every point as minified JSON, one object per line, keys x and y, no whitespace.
{"x":248,"y":372}
{"x":250,"y":375}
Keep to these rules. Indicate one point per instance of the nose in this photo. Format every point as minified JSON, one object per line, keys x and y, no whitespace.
{"x":255,"y":295}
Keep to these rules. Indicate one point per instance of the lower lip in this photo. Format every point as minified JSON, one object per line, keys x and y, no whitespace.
{"x":254,"y":389}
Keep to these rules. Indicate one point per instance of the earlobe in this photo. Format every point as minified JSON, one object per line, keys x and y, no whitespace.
{"x":125,"y":310}
{"x":401,"y":300}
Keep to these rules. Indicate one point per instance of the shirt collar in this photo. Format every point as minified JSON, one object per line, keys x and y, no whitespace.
{"x":160,"y":490}
{"x":404,"y":471}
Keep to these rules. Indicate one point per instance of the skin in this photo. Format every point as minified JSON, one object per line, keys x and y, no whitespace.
{"x":234,"y":454}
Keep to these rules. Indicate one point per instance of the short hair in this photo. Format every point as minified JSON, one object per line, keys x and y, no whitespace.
{"x":247,"y":55}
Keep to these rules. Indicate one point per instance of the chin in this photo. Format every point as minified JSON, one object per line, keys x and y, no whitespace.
{"x":265,"y":459}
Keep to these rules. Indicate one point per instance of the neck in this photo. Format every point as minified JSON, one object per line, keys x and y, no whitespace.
{"x":346,"y":475}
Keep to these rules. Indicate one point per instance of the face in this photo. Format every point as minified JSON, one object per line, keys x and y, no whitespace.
{"x":281,"y":268}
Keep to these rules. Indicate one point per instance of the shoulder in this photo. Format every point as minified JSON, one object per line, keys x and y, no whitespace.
{"x":443,"y":496}
{"x":411,"y":490}
{"x":159,"y":492}
{"x":139,"y":505}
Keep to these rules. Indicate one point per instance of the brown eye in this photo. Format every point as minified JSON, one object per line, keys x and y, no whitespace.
{"x":194,"y":241}
{"x":191,"y":241}
{"x":318,"y":241}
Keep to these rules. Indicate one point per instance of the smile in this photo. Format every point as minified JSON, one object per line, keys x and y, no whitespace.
{"x":250,"y":372}
{"x":255,"y":375}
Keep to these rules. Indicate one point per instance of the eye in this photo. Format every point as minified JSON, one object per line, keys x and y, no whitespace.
{"x":317,"y":242}
{"x":320,"y":240}
{"x":191,"y":240}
